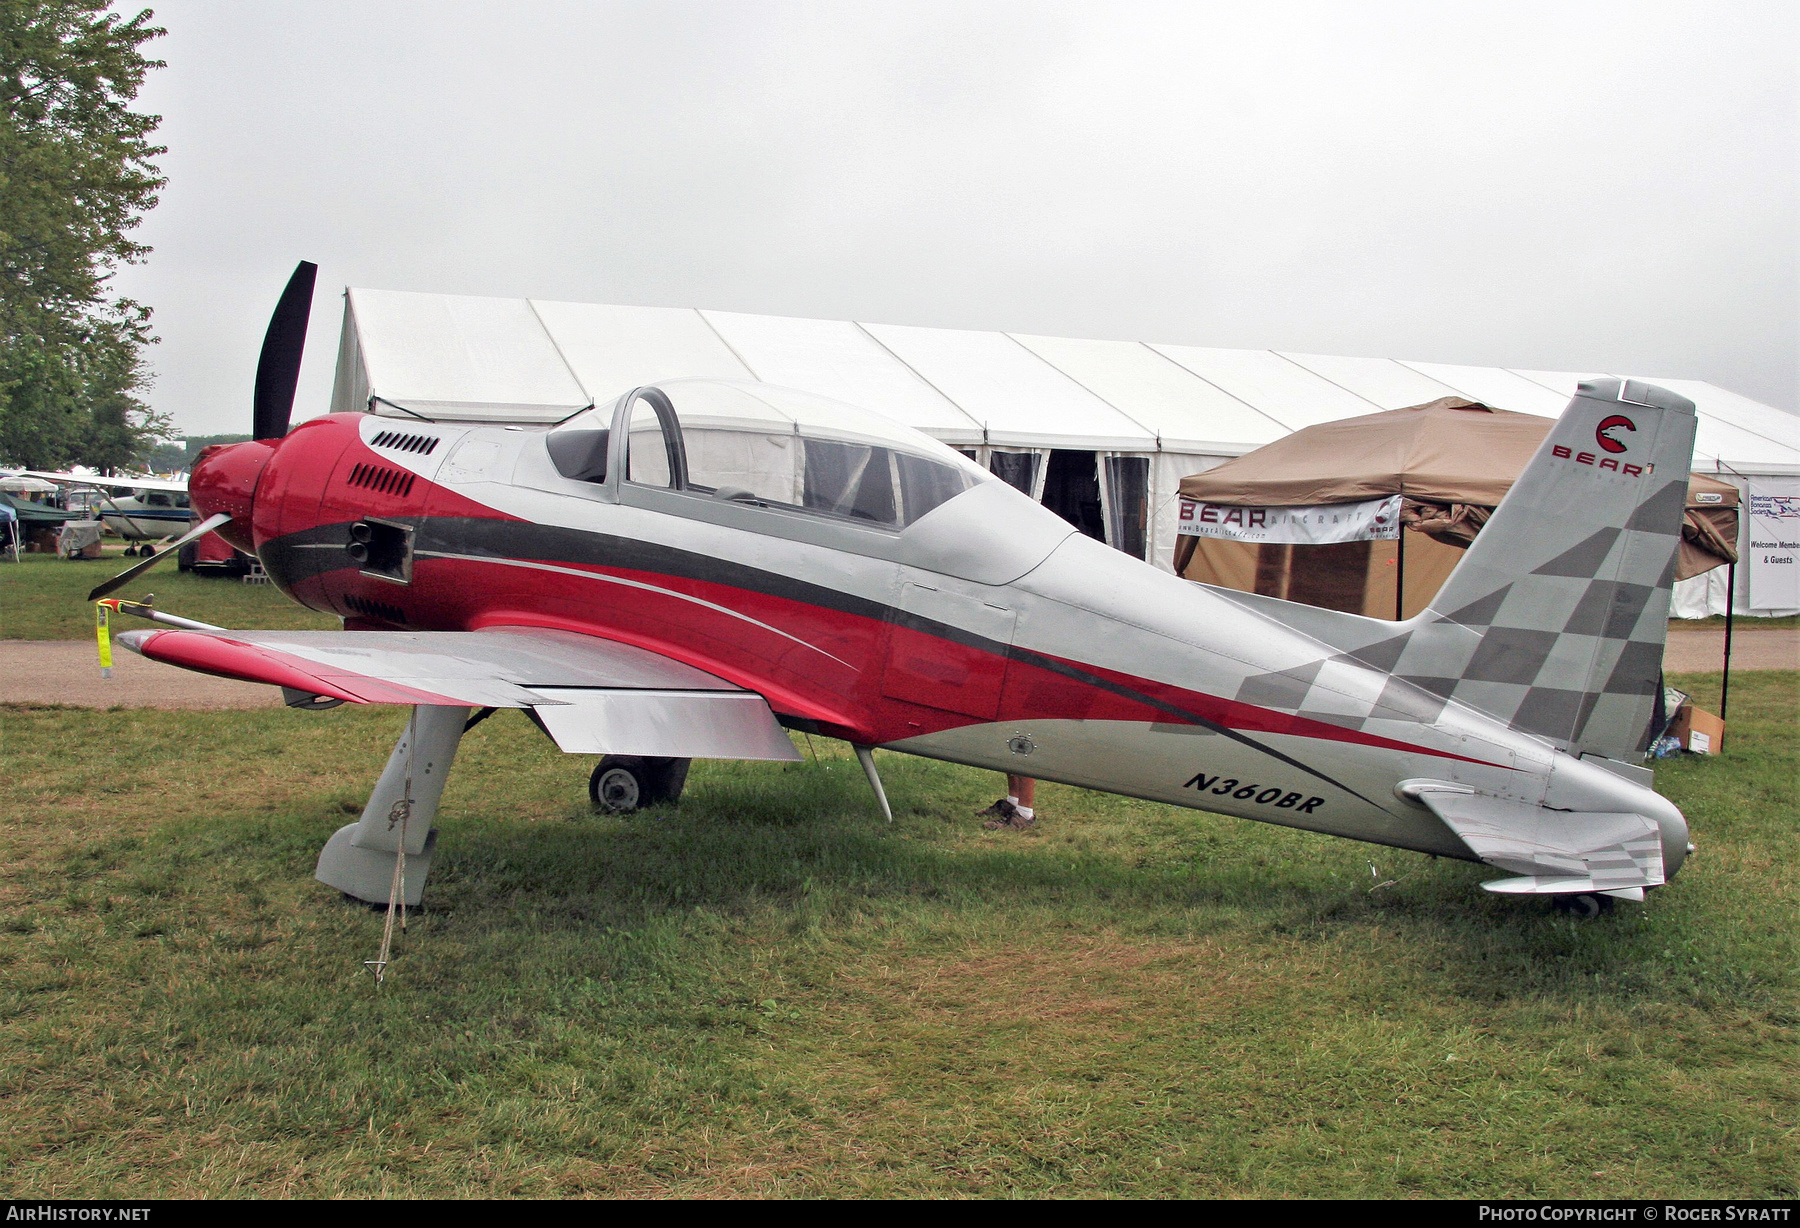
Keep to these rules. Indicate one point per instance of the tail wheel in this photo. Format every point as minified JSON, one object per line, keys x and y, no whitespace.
{"x":1586,"y":904}
{"x":621,"y":784}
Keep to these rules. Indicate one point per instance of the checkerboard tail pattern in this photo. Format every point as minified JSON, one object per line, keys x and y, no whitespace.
{"x":1555,"y":618}
{"x":1567,"y":587}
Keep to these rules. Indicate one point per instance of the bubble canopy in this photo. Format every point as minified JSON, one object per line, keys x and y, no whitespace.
{"x":767,"y":446}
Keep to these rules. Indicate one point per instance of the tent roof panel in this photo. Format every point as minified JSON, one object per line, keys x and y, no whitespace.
{"x":444,"y":355}
{"x":615,"y":349}
{"x":1495,"y":387}
{"x":836,"y":358}
{"x":1184,"y":411}
{"x":1747,"y":415}
{"x":1021,"y":399}
{"x":1562,"y":383}
{"x":498,"y":359}
{"x":1441,"y":453}
{"x":1276,"y":386}
{"x":1721,"y":441}
{"x":1382,"y":381}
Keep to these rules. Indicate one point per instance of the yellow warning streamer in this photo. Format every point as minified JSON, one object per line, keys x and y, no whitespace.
{"x":103,"y":634}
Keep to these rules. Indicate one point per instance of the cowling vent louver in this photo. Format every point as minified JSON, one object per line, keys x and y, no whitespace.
{"x":382,"y":480}
{"x":376,"y":609}
{"x":402,"y":441}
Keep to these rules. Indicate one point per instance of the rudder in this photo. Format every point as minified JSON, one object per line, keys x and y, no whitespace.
{"x":1566,"y":640}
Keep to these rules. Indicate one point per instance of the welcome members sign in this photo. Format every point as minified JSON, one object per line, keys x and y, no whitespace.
{"x":1774,"y":543}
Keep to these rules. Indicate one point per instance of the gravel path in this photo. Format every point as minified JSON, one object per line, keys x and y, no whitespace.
{"x":68,"y":672}
{"x":1703,"y":651}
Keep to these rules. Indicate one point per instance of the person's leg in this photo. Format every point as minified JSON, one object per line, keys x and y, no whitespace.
{"x":1022,"y":793}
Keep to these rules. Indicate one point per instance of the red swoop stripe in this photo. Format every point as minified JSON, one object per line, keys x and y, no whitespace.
{"x":225,"y":658}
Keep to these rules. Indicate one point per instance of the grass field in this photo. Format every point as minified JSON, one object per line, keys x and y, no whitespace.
{"x":1744,"y":622}
{"x":768,"y":991}
{"x":43,"y":597}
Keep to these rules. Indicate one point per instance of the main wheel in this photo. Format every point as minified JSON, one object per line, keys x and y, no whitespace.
{"x":1585,"y":904}
{"x":620,"y":783}
{"x":624,"y":783}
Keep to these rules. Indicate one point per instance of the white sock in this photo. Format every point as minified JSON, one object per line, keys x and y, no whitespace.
{"x":1024,"y":811}
{"x":1011,"y":800}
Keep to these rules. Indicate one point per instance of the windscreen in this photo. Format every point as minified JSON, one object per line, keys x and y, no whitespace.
{"x":782,"y":449}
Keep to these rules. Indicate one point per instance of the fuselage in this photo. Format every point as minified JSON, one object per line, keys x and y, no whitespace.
{"x":988,"y":632}
{"x":146,"y":515}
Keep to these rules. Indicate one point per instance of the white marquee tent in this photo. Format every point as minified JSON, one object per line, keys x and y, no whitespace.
{"x":1104,"y":430}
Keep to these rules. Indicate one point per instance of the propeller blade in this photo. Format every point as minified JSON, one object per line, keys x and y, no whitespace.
{"x":125,"y":577}
{"x":278,"y":369}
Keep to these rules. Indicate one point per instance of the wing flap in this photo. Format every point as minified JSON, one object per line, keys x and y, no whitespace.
{"x":675,"y":724}
{"x":1553,"y":851}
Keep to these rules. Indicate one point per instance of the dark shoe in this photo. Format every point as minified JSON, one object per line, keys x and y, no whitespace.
{"x":1004,"y":813}
{"x":1011,"y":820}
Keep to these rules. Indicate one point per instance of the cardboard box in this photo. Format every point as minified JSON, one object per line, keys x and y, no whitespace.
{"x":1698,"y":731}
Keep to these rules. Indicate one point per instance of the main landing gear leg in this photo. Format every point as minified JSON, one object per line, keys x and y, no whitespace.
{"x":359,"y":858}
{"x":865,"y":755}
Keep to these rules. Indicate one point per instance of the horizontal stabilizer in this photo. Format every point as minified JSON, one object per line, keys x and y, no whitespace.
{"x":1555,"y":851}
{"x":1537,"y":885}
{"x":1347,"y":633}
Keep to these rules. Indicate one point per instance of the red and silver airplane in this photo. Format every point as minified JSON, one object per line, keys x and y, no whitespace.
{"x":701,"y":566}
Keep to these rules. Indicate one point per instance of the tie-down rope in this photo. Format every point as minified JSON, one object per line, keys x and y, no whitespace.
{"x":399,"y":814}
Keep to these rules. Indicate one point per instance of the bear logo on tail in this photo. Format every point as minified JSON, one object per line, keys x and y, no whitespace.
{"x":1613,"y":423}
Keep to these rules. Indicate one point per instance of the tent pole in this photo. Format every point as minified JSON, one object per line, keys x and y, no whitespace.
{"x":1400,"y":576}
{"x":1730,"y":601}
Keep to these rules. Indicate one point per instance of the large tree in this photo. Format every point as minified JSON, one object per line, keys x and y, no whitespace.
{"x":77,"y":174}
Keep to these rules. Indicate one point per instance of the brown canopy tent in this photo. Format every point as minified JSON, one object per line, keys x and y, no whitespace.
{"x":1450,"y":461}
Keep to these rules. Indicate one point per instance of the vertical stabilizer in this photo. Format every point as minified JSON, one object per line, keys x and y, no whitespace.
{"x":1554,"y":621}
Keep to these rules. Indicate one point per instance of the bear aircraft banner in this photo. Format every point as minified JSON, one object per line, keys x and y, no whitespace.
{"x":1371,"y":520}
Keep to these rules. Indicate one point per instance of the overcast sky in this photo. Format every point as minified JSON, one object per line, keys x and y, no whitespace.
{"x":1568,"y":186}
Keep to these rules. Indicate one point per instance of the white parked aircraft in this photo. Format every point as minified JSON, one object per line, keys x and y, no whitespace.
{"x":699,"y":566}
{"x":153,"y":509}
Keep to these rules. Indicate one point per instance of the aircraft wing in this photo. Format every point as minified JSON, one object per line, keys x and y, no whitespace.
{"x":593,"y":696}
{"x":1553,"y":851}
{"x":174,"y":485}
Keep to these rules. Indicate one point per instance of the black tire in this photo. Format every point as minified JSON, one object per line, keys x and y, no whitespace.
{"x":1585,"y":905}
{"x":184,"y":558}
{"x":671,"y":779}
{"x":621,"y":784}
